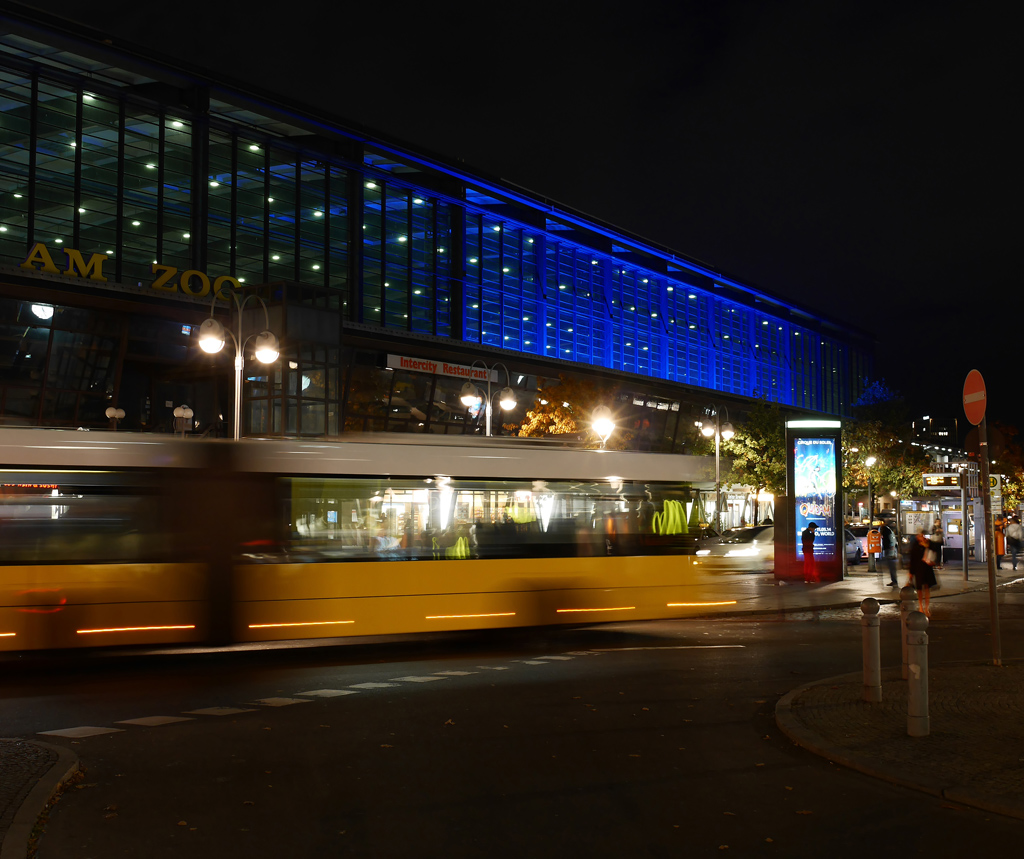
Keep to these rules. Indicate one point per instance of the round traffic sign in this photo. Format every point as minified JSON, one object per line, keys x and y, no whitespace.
{"x":975,"y":397}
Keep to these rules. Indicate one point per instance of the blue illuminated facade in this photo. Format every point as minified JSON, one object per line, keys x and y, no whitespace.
{"x":361,"y":247}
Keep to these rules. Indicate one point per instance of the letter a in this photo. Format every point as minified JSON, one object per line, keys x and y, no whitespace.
{"x":40,"y":254}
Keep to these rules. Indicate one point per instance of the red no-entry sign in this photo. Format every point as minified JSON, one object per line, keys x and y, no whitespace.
{"x":975,"y":397}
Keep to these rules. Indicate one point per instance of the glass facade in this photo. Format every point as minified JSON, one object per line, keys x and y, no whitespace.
{"x":98,"y":160}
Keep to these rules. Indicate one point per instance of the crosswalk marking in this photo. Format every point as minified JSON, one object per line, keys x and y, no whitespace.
{"x":328,"y":693}
{"x":154,"y":721}
{"x":373,"y":685}
{"x":281,"y":702}
{"x":83,"y":731}
{"x":455,"y":673}
{"x":412,"y":679}
{"x":218,"y":711}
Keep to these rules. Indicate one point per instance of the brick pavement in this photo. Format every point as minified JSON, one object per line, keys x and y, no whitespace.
{"x":974,"y":753}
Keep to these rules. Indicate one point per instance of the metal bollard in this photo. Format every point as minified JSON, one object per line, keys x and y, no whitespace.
{"x":872,"y":650}
{"x":917,"y":683}
{"x":907,"y":597}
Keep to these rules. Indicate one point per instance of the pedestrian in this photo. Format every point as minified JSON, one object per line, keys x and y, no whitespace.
{"x":1014,"y":539}
{"x":807,"y":543}
{"x":936,"y":539}
{"x":999,"y":526}
{"x":889,"y":551}
{"x":922,"y":574}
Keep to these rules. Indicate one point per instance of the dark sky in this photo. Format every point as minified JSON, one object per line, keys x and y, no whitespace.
{"x":852,"y":157}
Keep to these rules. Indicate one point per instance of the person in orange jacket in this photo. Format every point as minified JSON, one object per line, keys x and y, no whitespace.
{"x":1000,"y":529}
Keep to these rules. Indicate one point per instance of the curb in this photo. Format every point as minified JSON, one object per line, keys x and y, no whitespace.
{"x":16,"y":839}
{"x":815,"y":744}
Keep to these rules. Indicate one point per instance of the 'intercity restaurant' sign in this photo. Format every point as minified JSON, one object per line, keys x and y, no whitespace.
{"x":440,"y":368}
{"x":191,"y":282}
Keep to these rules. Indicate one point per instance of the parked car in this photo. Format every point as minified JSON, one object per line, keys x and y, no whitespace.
{"x":752,"y":549}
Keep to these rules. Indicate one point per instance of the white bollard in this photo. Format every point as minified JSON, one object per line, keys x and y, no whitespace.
{"x":907,"y":597}
{"x":917,"y":683}
{"x":872,"y":651}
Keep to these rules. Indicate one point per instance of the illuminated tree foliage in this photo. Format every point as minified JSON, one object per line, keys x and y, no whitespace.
{"x":758,"y":450}
{"x":1009,"y":462}
{"x":565,"y":408}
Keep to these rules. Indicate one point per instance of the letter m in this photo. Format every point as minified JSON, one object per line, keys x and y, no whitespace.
{"x":78,"y":267}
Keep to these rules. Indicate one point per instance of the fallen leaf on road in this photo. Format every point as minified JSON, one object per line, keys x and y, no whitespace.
{"x":386,"y":746}
{"x":758,"y":765}
{"x":634,"y":756}
{"x":110,"y":808}
{"x":248,"y":802}
{"x":450,"y":722}
{"x":182,"y":823}
{"x":645,"y":708}
{"x":769,"y":839}
{"x":788,"y":787}
{"x":109,"y":816}
{"x":730,"y":813}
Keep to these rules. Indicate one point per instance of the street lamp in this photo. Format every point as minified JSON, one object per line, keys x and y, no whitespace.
{"x":471,"y":393}
{"x":114,"y":415}
{"x":603,"y":423}
{"x":213,"y":335}
{"x":182,"y":419}
{"x":719,"y":431}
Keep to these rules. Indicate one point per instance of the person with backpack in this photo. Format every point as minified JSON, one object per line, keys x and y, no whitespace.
{"x":889,"y":551}
{"x":1014,"y":539}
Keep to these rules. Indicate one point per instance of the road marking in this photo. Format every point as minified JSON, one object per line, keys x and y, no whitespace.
{"x":281,"y":702}
{"x":328,"y":693}
{"x":493,"y":667}
{"x":555,"y":657}
{"x":83,"y":731}
{"x":583,"y":653}
{"x":530,"y":661}
{"x":154,"y":721}
{"x":412,"y":679}
{"x":373,"y":685}
{"x":218,"y":711}
{"x":678,"y":647}
{"x":455,"y":673}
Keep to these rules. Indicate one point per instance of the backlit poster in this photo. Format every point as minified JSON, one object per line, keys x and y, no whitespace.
{"x":814,"y":484}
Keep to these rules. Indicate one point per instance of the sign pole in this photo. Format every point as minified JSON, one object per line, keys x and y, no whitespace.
{"x":975,"y":401}
{"x":990,"y":543}
{"x":965,"y":525}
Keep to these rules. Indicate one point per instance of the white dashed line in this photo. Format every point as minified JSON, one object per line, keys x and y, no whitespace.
{"x":411,"y":679}
{"x":84,"y":731}
{"x":281,"y":702}
{"x":154,"y":721}
{"x":455,"y":673}
{"x":327,"y":693}
{"x":373,"y":685}
{"x":493,"y":667}
{"x":561,"y":658}
{"x":219,"y":711}
{"x":531,"y":662}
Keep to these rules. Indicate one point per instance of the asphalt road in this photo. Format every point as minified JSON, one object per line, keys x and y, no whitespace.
{"x":638,"y":740}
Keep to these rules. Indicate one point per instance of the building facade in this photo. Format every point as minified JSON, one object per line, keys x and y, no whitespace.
{"x":135,"y":195}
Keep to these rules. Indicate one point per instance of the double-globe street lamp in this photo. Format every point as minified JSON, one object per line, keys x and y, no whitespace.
{"x":719,"y":431}
{"x":471,"y":393}
{"x":870,"y":461}
{"x":213,"y":335}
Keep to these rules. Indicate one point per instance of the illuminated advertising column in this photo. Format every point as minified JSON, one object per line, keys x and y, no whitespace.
{"x":814,"y":492}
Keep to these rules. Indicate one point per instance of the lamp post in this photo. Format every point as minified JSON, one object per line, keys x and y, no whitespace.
{"x":182,"y":419}
{"x":114,"y":415}
{"x":871,"y":509}
{"x":603,"y":423}
{"x":471,"y":393}
{"x":212,"y":338}
{"x":719,"y":431}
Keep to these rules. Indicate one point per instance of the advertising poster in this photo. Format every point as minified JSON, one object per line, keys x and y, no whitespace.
{"x":814,"y":483}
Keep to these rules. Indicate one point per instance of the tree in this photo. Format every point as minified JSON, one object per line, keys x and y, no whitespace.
{"x":565,"y":408}
{"x":758,"y":450}
{"x":1009,"y":462}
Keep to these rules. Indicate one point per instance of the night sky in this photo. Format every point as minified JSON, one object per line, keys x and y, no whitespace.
{"x":851,"y":157}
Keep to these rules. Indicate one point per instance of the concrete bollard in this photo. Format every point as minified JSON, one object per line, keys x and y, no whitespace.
{"x":907,"y":597}
{"x":872,"y":650}
{"x":917,"y":683}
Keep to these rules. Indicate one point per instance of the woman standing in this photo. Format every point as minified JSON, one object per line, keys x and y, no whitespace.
{"x":922,"y":576}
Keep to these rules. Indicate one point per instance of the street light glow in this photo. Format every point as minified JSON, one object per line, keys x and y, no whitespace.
{"x":211,"y":336}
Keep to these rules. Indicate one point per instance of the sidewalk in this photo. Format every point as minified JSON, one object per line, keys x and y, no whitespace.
{"x":974,"y":754}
